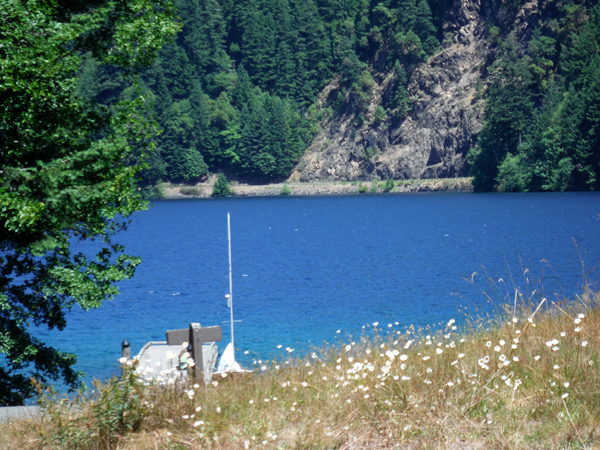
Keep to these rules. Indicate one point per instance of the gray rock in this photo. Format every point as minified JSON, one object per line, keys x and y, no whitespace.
{"x":433,"y":141}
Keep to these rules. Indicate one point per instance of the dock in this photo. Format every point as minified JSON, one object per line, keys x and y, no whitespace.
{"x":186,"y":352}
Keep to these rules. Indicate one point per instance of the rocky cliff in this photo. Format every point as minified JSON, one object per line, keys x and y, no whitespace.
{"x":444,"y":122}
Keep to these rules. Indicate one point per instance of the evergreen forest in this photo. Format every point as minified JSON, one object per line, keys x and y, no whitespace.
{"x":236,"y":90}
{"x":542,"y":118}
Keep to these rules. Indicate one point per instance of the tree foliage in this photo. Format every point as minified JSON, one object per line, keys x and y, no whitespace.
{"x":63,"y":175}
{"x":542,"y":114}
{"x":234,"y":92}
{"x":221,"y":187}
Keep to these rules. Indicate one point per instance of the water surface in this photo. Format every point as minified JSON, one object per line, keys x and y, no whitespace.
{"x":305,"y":267}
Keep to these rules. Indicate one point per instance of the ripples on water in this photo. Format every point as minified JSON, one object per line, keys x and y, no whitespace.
{"x":305,"y":267}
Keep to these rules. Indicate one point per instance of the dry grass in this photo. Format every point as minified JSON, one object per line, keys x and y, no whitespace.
{"x":528,"y":381}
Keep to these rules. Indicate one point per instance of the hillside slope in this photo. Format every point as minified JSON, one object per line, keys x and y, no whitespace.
{"x":447,"y":112}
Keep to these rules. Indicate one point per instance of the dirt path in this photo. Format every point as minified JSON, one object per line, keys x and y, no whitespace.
{"x":203,"y":190}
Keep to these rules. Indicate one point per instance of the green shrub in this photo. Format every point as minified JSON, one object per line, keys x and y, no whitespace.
{"x":380,"y":115}
{"x":362,"y":189}
{"x":285,"y":190}
{"x":388,"y":185}
{"x":153,"y":193}
{"x":495,"y":34}
{"x":117,"y":409}
{"x":189,"y":190}
{"x":221,"y":187}
{"x":360,"y":120}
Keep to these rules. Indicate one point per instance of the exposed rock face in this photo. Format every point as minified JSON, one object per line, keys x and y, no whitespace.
{"x":433,"y":141}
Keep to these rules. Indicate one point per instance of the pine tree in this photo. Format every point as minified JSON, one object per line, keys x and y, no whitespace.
{"x":258,"y":45}
{"x":221,"y":187}
{"x":424,"y":28}
{"x":509,"y":111}
{"x":243,"y":89}
{"x":400,"y":97}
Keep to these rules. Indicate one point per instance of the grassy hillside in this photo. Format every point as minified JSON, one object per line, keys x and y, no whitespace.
{"x":527,"y":380}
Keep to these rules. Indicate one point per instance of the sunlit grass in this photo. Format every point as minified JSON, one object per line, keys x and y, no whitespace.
{"x":528,"y":380}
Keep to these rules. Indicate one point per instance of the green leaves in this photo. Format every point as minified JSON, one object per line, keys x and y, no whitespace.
{"x":63,"y":174}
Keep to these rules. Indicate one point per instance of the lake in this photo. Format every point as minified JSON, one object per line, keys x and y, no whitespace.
{"x":306,"y":267}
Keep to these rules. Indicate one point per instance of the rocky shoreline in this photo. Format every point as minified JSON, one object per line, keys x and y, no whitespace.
{"x":204,"y":190}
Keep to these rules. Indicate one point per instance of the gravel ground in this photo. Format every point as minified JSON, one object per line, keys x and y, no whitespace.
{"x":204,"y":190}
{"x":18,"y":412}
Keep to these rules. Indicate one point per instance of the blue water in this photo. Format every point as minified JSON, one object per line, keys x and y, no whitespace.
{"x":305,"y":267}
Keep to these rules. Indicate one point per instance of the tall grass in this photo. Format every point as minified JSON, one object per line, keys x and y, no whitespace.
{"x":527,"y":380}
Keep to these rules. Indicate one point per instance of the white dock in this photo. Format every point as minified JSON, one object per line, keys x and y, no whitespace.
{"x":160,"y":362}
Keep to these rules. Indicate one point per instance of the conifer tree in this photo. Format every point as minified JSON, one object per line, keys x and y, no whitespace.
{"x":508,"y":114}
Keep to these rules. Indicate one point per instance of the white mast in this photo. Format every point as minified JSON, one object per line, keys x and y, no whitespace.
{"x":230,"y":299}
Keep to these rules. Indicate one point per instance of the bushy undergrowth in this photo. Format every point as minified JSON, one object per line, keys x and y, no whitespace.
{"x":529,"y":380}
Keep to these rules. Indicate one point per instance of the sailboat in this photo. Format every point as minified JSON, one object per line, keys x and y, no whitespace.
{"x":227,"y":363}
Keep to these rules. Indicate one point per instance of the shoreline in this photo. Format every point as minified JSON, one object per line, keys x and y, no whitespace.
{"x":205,"y":189}
{"x":406,"y":385}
